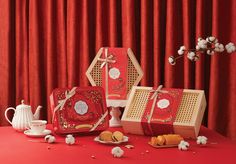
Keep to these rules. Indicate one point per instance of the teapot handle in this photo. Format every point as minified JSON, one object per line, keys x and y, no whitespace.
{"x":10,"y":108}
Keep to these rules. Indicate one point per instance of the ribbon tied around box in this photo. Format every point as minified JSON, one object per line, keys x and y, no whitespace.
{"x":107,"y":59}
{"x":161,"y":110}
{"x":80,"y":107}
{"x":61,"y":103}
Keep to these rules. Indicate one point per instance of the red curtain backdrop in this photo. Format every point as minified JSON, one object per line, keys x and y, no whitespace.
{"x":46,"y":44}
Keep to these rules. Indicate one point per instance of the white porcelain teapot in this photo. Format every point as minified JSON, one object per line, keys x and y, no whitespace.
{"x":22,"y":116}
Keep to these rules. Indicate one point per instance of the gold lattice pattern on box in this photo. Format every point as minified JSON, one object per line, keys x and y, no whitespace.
{"x":184,"y":114}
{"x":139,"y":102}
{"x":96,"y":73}
{"x":187,"y":107}
{"x":132,"y":74}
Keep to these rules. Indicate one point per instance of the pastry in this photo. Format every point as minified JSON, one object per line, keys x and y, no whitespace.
{"x":154,"y":141}
{"x":105,"y":136}
{"x":161,"y":140}
{"x":168,"y":139}
{"x":172,"y":139}
{"x":117,"y":136}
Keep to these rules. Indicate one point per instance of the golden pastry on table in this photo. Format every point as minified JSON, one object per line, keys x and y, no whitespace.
{"x":116,"y":136}
{"x":105,"y":136}
{"x":168,"y":139}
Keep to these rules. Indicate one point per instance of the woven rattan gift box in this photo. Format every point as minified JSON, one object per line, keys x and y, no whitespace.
{"x":170,"y":111}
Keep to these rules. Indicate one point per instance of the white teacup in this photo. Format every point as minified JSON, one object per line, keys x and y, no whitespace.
{"x":38,"y":126}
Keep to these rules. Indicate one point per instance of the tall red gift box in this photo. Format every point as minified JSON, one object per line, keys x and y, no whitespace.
{"x":116,"y":70}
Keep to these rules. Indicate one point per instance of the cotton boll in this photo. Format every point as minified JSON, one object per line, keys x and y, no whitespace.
{"x":49,"y":139}
{"x":211,"y":52}
{"x":70,"y":140}
{"x":230,"y":47}
{"x":117,"y":152}
{"x":197,"y":47}
{"x":199,"y":39}
{"x":183,"y":145}
{"x":202,"y":44}
{"x":171,"y":60}
{"x":183,"y":48}
{"x":221,"y":46}
{"x":180,"y":52}
{"x":217,"y":44}
{"x":212,"y":38}
{"x":217,"y":48}
{"x":201,"y":140}
{"x":191,"y":55}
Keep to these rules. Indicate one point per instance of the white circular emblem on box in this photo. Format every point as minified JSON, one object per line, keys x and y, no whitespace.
{"x":163,"y":103}
{"x":81,"y":107}
{"x":114,"y":73}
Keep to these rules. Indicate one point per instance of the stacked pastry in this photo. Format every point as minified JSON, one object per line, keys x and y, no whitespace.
{"x":108,"y":136}
{"x":169,"y":139}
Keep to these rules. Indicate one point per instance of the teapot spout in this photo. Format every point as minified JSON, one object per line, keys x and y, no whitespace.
{"x":37,"y":113}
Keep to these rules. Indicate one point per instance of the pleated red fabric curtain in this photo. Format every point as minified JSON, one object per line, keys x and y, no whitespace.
{"x":46,"y":44}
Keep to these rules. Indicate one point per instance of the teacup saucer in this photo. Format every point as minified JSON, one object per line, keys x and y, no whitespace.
{"x":33,"y":134}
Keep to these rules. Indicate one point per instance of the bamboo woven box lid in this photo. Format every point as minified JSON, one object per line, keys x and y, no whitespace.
{"x":152,"y":111}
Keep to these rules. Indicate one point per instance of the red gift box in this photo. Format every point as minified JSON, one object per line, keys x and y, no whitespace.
{"x":114,"y":72}
{"x":117,"y":71}
{"x":161,"y":110}
{"x":79,"y":109}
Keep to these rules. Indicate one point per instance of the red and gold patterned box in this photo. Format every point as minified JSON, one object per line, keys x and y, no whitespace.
{"x":152,"y":111}
{"x":79,"y":109}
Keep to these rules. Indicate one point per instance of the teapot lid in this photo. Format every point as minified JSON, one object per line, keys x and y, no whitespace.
{"x":23,"y":105}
